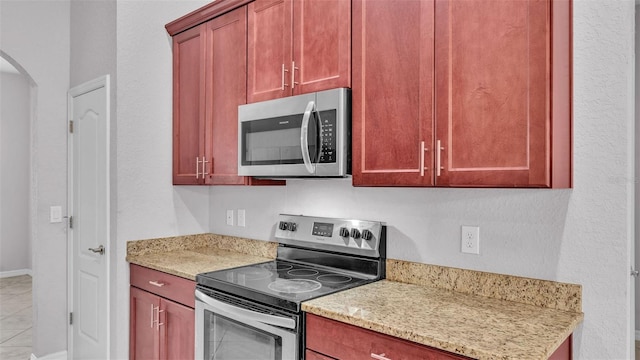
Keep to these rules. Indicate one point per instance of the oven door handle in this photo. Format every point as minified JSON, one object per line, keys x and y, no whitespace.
{"x":247,"y":314}
{"x":304,"y":139}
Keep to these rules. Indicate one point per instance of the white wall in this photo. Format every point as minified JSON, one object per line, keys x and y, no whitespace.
{"x":15,"y":121}
{"x":93,"y":54}
{"x":36,"y":34}
{"x":579,"y":236}
{"x":148,"y":205}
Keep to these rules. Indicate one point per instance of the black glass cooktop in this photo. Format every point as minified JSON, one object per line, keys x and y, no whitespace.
{"x":279,"y":283}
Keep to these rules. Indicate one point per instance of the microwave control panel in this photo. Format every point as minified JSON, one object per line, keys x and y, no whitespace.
{"x":328,"y":153}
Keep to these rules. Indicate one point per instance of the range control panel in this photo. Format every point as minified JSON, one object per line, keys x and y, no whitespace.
{"x":359,"y":237}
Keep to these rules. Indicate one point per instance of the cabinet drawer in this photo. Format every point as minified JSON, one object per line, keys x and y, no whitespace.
{"x":168,"y":286}
{"x":343,"y":341}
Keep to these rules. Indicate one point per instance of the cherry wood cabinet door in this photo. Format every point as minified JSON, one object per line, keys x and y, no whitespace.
{"x":177,"y":335}
{"x":188,"y":104}
{"x":225,"y":89}
{"x":392,"y":93}
{"x":343,"y":341}
{"x":143,"y":339}
{"x":321,"y":45}
{"x":494,"y":93}
{"x":269,"y":49}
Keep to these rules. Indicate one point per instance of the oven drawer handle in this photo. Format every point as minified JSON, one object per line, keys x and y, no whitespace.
{"x":248,"y":314}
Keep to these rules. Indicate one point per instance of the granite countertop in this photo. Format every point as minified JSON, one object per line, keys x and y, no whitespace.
{"x":187,"y":256}
{"x":448,"y":315}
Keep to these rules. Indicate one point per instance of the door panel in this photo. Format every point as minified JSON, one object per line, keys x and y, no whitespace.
{"x":321,"y":45}
{"x":188,"y":104}
{"x":89,"y":208}
{"x":178,"y":332}
{"x":392,"y":92}
{"x":269,"y":47}
{"x":143,"y":337}
{"x":226,"y":56}
{"x":491,"y":94}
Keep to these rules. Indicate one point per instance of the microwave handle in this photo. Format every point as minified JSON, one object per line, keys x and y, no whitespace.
{"x":304,"y":141}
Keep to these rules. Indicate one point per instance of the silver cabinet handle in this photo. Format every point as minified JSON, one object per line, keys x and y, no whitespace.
{"x":423,"y":149}
{"x":439,"y":149}
{"x":151,"y":316}
{"x":284,"y":70}
{"x":379,"y":357}
{"x":155,"y":283}
{"x":197,"y":167}
{"x":293,"y":74}
{"x":99,"y":250}
{"x":204,"y":167}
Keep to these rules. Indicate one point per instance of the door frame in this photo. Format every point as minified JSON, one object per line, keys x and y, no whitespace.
{"x":100,"y":82}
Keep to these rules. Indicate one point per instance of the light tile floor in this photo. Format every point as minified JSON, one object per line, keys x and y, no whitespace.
{"x":15,"y":318}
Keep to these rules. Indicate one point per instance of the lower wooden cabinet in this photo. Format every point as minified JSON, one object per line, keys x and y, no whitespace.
{"x":329,"y":339}
{"x":161,"y":327}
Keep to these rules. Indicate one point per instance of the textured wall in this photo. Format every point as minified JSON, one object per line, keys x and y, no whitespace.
{"x":36,"y":35}
{"x":15,"y":125}
{"x":93,"y":54}
{"x":148,"y":205}
{"x":580,"y":236}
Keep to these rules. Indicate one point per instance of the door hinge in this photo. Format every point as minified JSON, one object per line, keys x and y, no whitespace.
{"x":71,"y":126}
{"x":70,"y":318}
{"x":71,"y":222}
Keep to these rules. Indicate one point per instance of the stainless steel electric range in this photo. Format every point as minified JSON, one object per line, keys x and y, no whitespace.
{"x":253,"y":312}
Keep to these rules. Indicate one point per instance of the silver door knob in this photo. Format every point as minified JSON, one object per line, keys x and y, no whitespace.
{"x":99,"y":250}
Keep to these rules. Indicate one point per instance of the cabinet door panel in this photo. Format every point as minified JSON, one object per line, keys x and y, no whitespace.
{"x":321,"y":45}
{"x":226,"y":89}
{"x":392,"y":92}
{"x":269,"y":49}
{"x":177,"y":337}
{"x":188,"y":104}
{"x":491,"y":93}
{"x":143,"y":339}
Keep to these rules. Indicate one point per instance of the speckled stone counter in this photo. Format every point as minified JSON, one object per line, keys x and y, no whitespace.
{"x":187,"y":256}
{"x":476,"y":314}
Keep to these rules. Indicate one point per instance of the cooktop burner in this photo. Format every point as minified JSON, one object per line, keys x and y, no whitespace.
{"x":279,"y":282}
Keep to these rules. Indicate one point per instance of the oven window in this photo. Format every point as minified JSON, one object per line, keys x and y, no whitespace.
{"x":227,"y":339}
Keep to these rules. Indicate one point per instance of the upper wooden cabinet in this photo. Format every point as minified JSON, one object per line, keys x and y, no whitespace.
{"x":188,"y":106}
{"x":209,"y":74}
{"x":297,"y":47}
{"x":462,"y":93}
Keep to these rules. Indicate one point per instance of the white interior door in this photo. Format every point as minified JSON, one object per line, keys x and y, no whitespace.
{"x":89,"y":220}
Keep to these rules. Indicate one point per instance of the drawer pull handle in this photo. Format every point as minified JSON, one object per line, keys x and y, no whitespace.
{"x":379,"y":357}
{"x":155,"y":283}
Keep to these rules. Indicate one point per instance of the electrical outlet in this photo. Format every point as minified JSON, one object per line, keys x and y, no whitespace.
{"x":241,"y":217}
{"x":230,"y":217}
{"x":470,"y":239}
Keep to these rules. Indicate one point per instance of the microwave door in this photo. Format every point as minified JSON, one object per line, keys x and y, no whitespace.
{"x":311,"y":154}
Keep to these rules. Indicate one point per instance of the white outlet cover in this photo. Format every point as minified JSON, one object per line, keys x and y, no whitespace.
{"x":241,"y":217}
{"x":470,"y":239}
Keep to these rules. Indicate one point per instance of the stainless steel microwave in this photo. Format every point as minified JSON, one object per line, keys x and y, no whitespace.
{"x":306,"y":135}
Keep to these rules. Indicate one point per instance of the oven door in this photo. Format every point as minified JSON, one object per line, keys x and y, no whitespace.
{"x":228,"y":328}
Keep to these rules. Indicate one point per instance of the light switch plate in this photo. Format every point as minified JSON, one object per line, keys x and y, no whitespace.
{"x":241,"y":217}
{"x":230,"y":217}
{"x":55,"y":214}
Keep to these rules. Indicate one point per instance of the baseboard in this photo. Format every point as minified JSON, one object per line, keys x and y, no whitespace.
{"x":12,"y":273}
{"x":61,"y":355}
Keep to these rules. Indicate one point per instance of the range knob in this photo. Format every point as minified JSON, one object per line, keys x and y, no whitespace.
{"x":286,"y":225}
{"x":367,"y":235}
{"x":355,"y":233}
{"x":344,"y":232}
